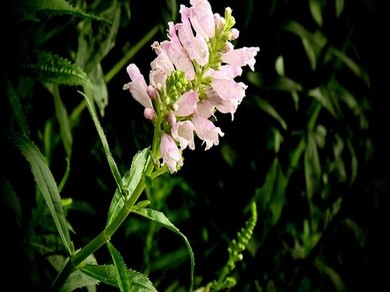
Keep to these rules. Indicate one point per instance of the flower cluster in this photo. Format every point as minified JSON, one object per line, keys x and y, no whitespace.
{"x":191,"y":78}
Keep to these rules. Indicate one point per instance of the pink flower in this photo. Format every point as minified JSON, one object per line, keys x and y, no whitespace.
{"x":139,"y":90}
{"x":202,"y":18}
{"x":183,"y":132}
{"x":170,"y":153}
{"x":161,"y":66}
{"x":228,"y":89}
{"x":206,"y":131}
{"x":186,"y":104}
{"x":241,"y":57}
{"x":195,"y":46}
{"x":177,"y":54}
{"x":205,"y":108}
{"x":226,"y":93}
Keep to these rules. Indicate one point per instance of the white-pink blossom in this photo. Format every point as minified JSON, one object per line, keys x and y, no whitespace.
{"x":195,"y":46}
{"x":202,"y":18}
{"x":241,"y":57}
{"x":139,"y":90}
{"x":183,"y":133}
{"x":206,"y":131}
{"x":170,"y":153}
{"x":177,"y":53}
{"x":186,"y":104}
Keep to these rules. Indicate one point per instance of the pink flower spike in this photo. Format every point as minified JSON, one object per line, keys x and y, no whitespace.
{"x":170,"y":153}
{"x":241,"y":57}
{"x":137,"y":86}
{"x":186,"y":104}
{"x":183,"y":132}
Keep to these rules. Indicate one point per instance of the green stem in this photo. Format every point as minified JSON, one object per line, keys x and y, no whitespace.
{"x":96,"y":243}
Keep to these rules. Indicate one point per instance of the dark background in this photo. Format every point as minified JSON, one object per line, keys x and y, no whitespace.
{"x":208,"y":197}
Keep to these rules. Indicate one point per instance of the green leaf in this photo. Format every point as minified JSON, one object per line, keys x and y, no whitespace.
{"x":107,"y":274}
{"x":98,"y":91}
{"x":312,"y":166}
{"x":14,"y":100}
{"x":281,"y":83}
{"x":94,"y":43}
{"x":122,"y":278}
{"x":315,"y":9}
{"x":334,"y":277}
{"x":327,"y":100}
{"x":269,"y":109}
{"x":339,"y":6}
{"x":312,"y":42}
{"x":160,"y":218}
{"x":34,"y":9}
{"x":63,"y":119}
{"x":352,"y":65}
{"x":130,"y":182}
{"x":48,"y":67}
{"x":78,"y":279}
{"x":47,"y":185}
{"x":273,"y":192}
{"x":110,"y":159}
{"x":279,"y":65}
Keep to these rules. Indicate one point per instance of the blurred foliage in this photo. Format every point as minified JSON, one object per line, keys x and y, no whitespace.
{"x":306,"y":145}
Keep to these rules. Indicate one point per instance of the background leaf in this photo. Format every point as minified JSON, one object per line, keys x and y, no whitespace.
{"x":47,"y":185}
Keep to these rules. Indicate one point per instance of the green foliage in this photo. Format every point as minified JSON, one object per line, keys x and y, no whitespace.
{"x":47,"y":186}
{"x":36,"y":9}
{"x":51,"y":68}
{"x":107,"y":274}
{"x":160,"y":218}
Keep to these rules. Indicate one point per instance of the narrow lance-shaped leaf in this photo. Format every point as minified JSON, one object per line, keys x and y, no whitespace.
{"x":269,"y":109}
{"x":110,"y":159}
{"x":63,"y":119}
{"x":160,"y":218}
{"x":14,"y":101}
{"x":130,"y":182}
{"x":47,"y":185}
{"x":312,"y":166}
{"x":315,"y":9}
{"x":121,"y":270}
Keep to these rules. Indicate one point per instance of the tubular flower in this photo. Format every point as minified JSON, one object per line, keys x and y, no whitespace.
{"x":191,"y":78}
{"x":170,"y":153}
